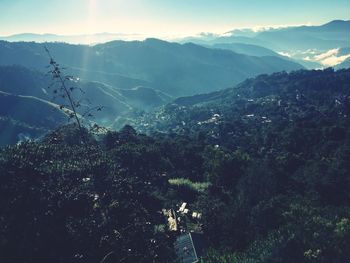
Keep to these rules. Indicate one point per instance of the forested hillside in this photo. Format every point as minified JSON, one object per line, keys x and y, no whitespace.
{"x":280,"y":186}
{"x":266,"y":163}
{"x":123,"y":77}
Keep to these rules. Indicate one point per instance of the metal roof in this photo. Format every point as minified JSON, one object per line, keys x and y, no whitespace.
{"x":189,"y":247}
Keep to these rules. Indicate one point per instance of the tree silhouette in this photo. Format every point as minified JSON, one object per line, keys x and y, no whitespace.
{"x":63,"y":88}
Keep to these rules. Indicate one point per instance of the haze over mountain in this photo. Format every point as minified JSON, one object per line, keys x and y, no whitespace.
{"x":128,"y":76}
{"x":72,"y":39}
{"x":247,"y":49}
{"x":23,"y":89}
{"x":172,"y":68}
{"x":323,"y":36}
{"x":307,"y":44}
{"x":327,"y":36}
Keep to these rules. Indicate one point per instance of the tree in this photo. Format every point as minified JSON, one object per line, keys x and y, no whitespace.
{"x":63,"y":89}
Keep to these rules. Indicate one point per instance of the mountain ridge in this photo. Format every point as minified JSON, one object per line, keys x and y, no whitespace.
{"x":172,"y":68}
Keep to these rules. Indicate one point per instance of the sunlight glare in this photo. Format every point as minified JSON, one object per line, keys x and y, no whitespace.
{"x":92,"y":5}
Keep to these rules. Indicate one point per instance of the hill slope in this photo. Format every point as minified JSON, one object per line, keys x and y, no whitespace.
{"x":278,"y":100}
{"x":172,"y":68}
{"x":26,"y":88}
{"x":266,"y":164}
{"x":26,"y":117}
{"x":247,"y":49}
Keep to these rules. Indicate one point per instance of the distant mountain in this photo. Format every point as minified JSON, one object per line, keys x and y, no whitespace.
{"x":172,"y":68}
{"x":259,"y":51}
{"x":344,"y":51}
{"x":247,"y":49}
{"x":81,"y":61}
{"x":227,"y":38}
{"x":201,"y":39}
{"x":123,"y":77}
{"x":306,"y":45}
{"x":187,"y":69}
{"x":245,"y":32}
{"x":327,"y":36}
{"x":345,"y":64}
{"x":72,"y":39}
{"x":337,"y":25}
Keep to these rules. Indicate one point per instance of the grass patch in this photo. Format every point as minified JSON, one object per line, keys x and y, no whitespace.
{"x":196,"y":186}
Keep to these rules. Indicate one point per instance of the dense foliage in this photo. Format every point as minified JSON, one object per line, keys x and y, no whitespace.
{"x":279,"y":169}
{"x":267,"y":163}
{"x":64,"y":202}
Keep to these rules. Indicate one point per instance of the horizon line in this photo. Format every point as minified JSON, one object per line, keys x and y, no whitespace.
{"x":255,"y":28}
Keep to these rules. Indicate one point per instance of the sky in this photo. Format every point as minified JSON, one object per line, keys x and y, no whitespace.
{"x":162,"y":17}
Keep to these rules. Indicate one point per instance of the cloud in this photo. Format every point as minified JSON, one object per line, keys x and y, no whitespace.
{"x":309,"y":51}
{"x":329,"y":58}
{"x":329,"y":53}
{"x":286,"y":54}
{"x":334,"y":60}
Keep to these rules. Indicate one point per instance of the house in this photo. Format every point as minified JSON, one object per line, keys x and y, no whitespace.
{"x":182,"y":207}
{"x":172,"y":219}
{"x":196,"y":215}
{"x":190,"y":248}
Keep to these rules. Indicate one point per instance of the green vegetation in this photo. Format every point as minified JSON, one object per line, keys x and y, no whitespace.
{"x":265,"y":163}
{"x":199,"y":187}
{"x":60,"y":205}
{"x":278,"y":164}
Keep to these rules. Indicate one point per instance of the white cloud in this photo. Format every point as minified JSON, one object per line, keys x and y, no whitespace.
{"x":329,"y":58}
{"x":286,"y":54}
{"x":309,"y":51}
{"x":280,"y":26}
{"x":329,"y":53}
{"x":307,"y":59}
{"x":334,"y":60}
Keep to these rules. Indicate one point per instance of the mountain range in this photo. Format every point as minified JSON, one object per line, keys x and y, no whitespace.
{"x":266,"y":164}
{"x":326,"y":36}
{"x":87,"y":39}
{"x":301,"y":43}
{"x":175,"y":69}
{"x":128,"y":78}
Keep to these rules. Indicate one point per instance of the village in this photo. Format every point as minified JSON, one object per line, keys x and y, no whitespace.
{"x":190,"y":244}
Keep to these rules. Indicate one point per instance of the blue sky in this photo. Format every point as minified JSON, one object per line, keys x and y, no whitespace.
{"x":162,"y":17}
